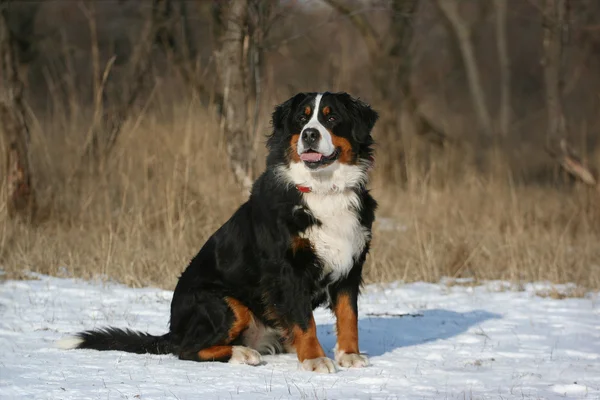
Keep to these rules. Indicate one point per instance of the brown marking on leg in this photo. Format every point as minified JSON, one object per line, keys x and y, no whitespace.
{"x":299,"y":243}
{"x":347,"y":325}
{"x":215,"y":353}
{"x":242,"y":318}
{"x":346,"y":153}
{"x":293,"y":151}
{"x":306,"y":342}
{"x":326,"y":110}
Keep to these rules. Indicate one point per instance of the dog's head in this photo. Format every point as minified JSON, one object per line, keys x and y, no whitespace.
{"x":322,"y":136}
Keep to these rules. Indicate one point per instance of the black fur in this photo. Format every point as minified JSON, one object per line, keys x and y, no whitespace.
{"x":125,"y":340}
{"x":250,"y":258}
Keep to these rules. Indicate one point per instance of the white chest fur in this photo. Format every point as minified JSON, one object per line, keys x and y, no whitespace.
{"x":340,"y":239}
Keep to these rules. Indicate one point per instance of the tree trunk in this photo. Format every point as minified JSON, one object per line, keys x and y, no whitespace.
{"x":504,"y":59}
{"x":13,"y":123}
{"x":402,"y":32}
{"x":462,"y":32}
{"x":553,"y":20}
{"x":555,"y":29}
{"x":231,"y":65}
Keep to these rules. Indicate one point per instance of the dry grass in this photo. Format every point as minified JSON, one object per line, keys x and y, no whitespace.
{"x":488,"y":229}
{"x":167,"y":187}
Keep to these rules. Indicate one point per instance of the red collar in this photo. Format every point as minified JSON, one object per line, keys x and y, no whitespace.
{"x":303,"y":189}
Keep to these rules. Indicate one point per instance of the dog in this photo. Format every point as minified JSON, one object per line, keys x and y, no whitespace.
{"x":299,"y":242}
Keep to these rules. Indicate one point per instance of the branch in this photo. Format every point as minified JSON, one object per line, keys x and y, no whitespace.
{"x":462,"y":32}
{"x":181,"y":48}
{"x":572,"y":164}
{"x":139,"y":67}
{"x":362,"y":25}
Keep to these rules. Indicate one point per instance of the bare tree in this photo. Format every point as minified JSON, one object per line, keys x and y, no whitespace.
{"x":241,"y":27}
{"x":261,"y":15}
{"x":392,"y":52}
{"x":21,"y":200}
{"x":175,"y":37}
{"x":231,"y":65}
{"x":109,"y":120}
{"x":462,"y":32}
{"x":556,"y":30}
{"x":391,"y":70}
{"x":504,"y":58}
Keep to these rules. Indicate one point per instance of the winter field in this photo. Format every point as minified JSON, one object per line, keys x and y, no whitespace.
{"x":425,"y":341}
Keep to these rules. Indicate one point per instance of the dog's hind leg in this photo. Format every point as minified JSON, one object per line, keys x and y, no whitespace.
{"x":213,"y":329}
{"x":231,"y":354}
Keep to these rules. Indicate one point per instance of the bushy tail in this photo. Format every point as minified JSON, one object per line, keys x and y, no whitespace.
{"x":119,"y":339}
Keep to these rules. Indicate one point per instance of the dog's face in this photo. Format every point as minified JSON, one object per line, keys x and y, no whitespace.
{"x":322,"y":132}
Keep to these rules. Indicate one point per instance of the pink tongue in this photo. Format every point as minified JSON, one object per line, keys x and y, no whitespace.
{"x":311,"y":157}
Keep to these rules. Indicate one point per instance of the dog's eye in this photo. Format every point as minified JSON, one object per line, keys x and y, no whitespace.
{"x":331,"y":119}
{"x":302,"y":118}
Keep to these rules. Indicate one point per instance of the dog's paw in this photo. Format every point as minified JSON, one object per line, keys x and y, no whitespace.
{"x":244,"y":355}
{"x":322,"y":365}
{"x":351,"y":360}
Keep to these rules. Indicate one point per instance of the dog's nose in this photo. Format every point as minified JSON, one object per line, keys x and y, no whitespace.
{"x":310,"y":136}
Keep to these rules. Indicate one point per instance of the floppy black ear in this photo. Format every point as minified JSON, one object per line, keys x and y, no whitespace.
{"x":363,"y":117}
{"x":368,"y":116}
{"x":282,"y":111}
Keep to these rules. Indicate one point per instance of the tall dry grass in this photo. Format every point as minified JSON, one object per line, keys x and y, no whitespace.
{"x":167,"y":187}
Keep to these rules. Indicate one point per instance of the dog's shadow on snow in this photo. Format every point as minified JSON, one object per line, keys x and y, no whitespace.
{"x":380,"y":334}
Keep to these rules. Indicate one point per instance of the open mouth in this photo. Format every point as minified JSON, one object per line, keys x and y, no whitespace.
{"x":313,"y":159}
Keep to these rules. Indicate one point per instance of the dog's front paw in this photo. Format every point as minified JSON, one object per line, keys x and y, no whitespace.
{"x":351,"y":360}
{"x":244,"y":355}
{"x":322,"y":365}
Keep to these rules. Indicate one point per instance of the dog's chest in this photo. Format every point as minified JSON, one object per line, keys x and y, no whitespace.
{"x":340,"y":238}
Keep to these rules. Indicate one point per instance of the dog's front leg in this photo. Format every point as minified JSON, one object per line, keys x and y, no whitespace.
{"x":289,"y":308}
{"x":308,"y":349}
{"x":344,"y":299}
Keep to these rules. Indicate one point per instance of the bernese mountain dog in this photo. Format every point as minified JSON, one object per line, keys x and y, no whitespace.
{"x":299,"y":242}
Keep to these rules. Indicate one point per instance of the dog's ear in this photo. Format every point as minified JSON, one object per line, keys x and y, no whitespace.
{"x":283,"y":111}
{"x":362,"y":115}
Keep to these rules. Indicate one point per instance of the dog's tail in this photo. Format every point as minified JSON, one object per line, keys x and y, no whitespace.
{"x":119,"y":339}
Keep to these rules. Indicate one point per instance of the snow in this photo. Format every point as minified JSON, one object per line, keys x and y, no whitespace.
{"x":425,"y":341}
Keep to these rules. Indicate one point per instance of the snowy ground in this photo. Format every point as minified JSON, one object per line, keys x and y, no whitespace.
{"x":425,"y":341}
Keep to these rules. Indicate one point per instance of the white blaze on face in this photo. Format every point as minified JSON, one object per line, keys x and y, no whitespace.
{"x":326,"y":146}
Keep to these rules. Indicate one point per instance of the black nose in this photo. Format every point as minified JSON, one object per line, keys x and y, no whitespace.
{"x":310,"y":136}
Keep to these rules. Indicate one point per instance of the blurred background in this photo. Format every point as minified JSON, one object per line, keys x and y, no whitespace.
{"x":132,"y":129}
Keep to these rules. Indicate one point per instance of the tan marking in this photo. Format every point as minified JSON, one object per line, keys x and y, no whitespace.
{"x":306,"y":343}
{"x":347,"y":325}
{"x":243,"y":316}
{"x":299,"y":243}
{"x":215,"y":353}
{"x":293,"y":151}
{"x":346,"y":153}
{"x":307,"y":110}
{"x":326,"y":110}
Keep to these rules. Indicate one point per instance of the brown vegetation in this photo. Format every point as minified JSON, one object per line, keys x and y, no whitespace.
{"x":498,"y":208}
